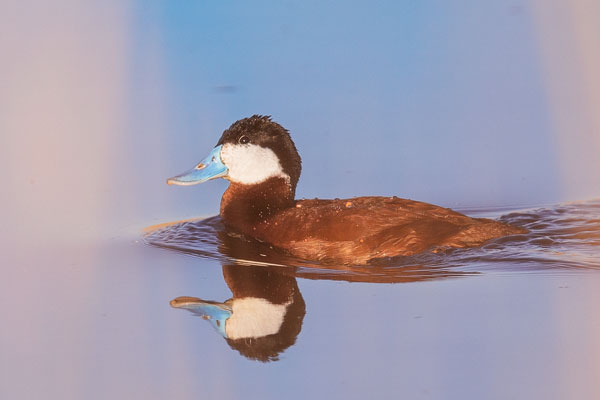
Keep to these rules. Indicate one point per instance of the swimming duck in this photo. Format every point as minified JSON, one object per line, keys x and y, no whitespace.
{"x":259,"y":159}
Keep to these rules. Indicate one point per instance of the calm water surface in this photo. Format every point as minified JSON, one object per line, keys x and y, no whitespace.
{"x":515,"y":319}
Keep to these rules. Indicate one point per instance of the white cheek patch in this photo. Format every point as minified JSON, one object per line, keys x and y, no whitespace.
{"x":250,"y":163}
{"x":254,"y":317}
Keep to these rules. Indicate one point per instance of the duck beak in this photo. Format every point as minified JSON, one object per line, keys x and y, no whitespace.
{"x":210,"y":168}
{"x":216,"y":313}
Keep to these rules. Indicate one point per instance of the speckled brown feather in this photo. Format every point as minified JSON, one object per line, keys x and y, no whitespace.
{"x":351,"y":231}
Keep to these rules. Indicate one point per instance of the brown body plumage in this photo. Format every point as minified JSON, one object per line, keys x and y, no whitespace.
{"x":353,"y":230}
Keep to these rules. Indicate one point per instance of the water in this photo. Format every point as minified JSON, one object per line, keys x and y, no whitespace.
{"x":516,"y":318}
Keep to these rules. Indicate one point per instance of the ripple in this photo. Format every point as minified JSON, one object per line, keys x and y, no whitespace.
{"x":563,"y":238}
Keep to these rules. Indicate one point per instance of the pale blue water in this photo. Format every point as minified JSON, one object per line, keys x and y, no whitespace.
{"x":517,"y":318}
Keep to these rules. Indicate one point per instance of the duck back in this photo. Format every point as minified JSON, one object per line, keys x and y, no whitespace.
{"x":360,"y":229}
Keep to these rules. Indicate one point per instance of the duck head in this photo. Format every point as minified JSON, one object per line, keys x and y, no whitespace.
{"x":251,"y":151}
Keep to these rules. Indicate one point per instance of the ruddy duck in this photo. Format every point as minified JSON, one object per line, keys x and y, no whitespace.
{"x":260,"y":160}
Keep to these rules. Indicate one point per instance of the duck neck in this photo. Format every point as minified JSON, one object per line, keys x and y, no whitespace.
{"x":243,"y":207}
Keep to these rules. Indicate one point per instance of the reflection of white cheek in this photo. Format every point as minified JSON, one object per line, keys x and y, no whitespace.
{"x":250,"y":164}
{"x":253,"y":317}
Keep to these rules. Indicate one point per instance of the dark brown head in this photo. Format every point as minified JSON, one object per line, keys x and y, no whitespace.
{"x":255,"y":149}
{"x":250,"y":152}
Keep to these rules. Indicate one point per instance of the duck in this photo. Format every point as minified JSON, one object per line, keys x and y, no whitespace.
{"x":259,"y":159}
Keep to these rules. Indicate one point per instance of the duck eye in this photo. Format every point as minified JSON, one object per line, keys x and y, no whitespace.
{"x":244,"y":139}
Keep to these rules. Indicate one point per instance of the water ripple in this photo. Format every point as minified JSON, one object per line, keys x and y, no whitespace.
{"x":561,"y":238}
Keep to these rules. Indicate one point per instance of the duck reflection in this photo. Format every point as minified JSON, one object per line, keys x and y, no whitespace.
{"x":264,"y":316}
